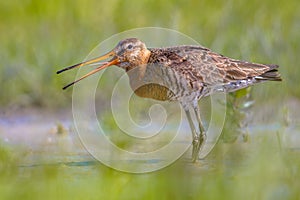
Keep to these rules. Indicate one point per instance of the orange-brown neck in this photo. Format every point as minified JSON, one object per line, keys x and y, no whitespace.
{"x":140,"y":60}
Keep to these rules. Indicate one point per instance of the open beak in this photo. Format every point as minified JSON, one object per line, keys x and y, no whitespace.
{"x":111,"y":62}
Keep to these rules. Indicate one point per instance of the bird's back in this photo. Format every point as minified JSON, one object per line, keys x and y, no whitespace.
{"x":202,"y":67}
{"x":189,"y":72}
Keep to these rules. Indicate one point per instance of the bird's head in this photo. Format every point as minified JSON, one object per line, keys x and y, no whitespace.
{"x":129,"y":53}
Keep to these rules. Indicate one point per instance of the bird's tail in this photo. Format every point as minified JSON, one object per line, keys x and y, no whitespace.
{"x":271,"y":75}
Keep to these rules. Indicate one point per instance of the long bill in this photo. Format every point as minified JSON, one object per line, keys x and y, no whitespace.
{"x":93,"y":61}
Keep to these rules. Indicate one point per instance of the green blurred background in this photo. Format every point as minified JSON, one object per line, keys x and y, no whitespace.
{"x":40,"y":37}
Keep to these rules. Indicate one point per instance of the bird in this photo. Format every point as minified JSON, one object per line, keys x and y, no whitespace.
{"x":184,"y":73}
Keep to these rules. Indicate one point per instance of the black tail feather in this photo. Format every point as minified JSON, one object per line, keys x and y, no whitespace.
{"x":271,"y":75}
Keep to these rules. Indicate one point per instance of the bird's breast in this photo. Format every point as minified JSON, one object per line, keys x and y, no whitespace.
{"x":153,"y":91}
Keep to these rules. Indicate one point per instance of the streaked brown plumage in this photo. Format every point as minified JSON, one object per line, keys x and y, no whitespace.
{"x":182,"y":73}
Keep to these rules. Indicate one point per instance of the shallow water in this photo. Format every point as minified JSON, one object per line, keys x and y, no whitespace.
{"x":48,"y":140}
{"x":49,"y":161}
{"x":41,"y":138}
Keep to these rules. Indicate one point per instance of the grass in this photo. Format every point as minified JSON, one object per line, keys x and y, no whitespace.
{"x":38,"y":39}
{"x":249,"y":171}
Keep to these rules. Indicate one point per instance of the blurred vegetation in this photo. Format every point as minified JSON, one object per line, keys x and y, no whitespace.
{"x":238,"y":112}
{"x":39,"y":38}
{"x":254,"y":171}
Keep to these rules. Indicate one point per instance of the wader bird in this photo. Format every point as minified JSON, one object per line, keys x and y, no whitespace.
{"x":181,"y":73}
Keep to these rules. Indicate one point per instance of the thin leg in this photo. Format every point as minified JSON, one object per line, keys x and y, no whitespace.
{"x":202,"y":135}
{"x":194,"y":133}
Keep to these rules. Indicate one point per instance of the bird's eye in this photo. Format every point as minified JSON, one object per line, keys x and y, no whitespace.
{"x":129,"y":46}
